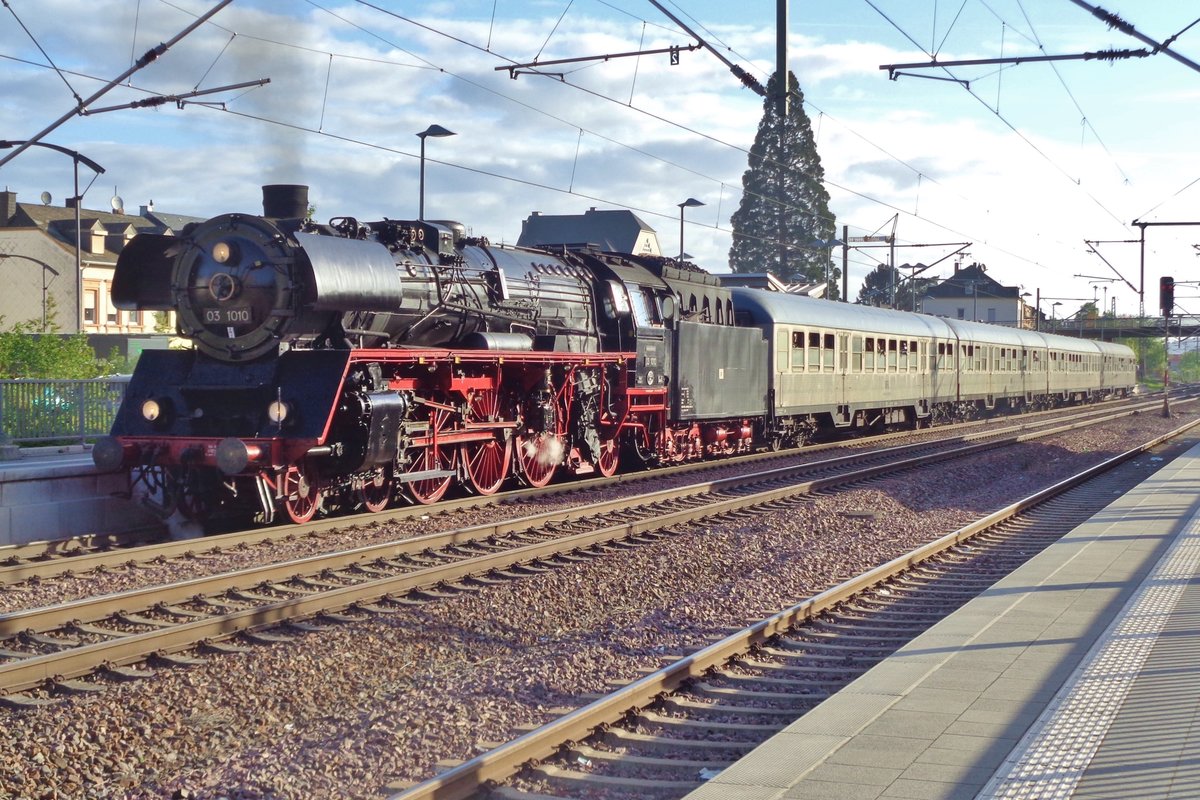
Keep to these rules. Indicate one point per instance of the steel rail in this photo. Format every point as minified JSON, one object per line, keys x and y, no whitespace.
{"x":464,"y":780}
{"x":51,"y":558}
{"x":93,"y":609}
{"x":124,"y":649}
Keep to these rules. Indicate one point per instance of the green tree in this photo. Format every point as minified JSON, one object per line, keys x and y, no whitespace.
{"x":880,"y":282}
{"x":1189,"y":366}
{"x":25,"y":352}
{"x":783,"y":224}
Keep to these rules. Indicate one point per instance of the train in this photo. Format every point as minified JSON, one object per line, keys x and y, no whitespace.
{"x":352,"y":365}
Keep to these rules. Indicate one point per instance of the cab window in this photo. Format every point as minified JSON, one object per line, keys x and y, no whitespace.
{"x":645,"y":309}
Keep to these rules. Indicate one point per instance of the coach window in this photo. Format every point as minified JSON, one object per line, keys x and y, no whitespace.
{"x":914,"y":361}
{"x":893,"y":346}
{"x":856,"y":350}
{"x":830,"y":357}
{"x":783,"y":349}
{"x":903,"y":360}
{"x":798,"y":351}
{"x":814,"y":351}
{"x":869,"y":354}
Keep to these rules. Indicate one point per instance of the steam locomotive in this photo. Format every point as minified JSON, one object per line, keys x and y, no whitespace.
{"x":354,"y":365}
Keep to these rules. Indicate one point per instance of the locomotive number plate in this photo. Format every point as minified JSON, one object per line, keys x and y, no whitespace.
{"x":226,"y":316}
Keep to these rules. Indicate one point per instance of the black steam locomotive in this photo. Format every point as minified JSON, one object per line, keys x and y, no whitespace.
{"x":350,"y":364}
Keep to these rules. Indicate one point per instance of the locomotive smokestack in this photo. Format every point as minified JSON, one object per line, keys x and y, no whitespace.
{"x":285,"y":201}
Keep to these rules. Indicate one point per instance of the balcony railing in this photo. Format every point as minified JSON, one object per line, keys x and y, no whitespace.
{"x":34,"y":411}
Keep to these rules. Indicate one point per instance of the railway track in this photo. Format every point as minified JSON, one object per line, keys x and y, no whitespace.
{"x":665,"y":734}
{"x":47,"y":559}
{"x":45,"y":650}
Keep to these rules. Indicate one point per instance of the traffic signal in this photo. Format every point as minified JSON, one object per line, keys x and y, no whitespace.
{"x":1166,"y":295}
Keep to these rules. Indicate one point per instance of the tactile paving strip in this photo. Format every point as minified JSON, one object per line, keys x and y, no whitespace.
{"x":1050,"y":760}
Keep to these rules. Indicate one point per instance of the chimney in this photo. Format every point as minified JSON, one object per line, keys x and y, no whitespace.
{"x":146,"y":209}
{"x":285,"y":201}
{"x":8,"y":207}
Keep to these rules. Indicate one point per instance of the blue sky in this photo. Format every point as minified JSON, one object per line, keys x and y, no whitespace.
{"x":1026,"y":163}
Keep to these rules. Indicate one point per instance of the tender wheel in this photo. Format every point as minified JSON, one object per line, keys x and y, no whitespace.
{"x":430,"y":490}
{"x":302,"y":498}
{"x":486,"y":464}
{"x":376,"y":493}
{"x":610,"y":457}
{"x":539,"y":456}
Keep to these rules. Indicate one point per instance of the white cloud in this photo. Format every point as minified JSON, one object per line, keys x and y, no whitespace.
{"x":925,"y":149}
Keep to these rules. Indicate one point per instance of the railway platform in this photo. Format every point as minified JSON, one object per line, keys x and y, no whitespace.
{"x":56,"y":492}
{"x":1074,"y":677}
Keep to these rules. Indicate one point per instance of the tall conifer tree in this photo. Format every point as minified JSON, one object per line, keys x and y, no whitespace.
{"x":785,"y":207}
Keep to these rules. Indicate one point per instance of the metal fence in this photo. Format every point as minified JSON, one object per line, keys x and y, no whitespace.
{"x":71,"y":411}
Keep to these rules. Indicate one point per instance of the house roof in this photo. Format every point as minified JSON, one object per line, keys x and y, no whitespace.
{"x":970,"y":282}
{"x":614,"y":231}
{"x":765,"y":280}
{"x":59,"y":223}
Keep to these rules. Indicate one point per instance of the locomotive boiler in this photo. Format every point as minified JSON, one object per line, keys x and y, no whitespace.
{"x":243,"y":285}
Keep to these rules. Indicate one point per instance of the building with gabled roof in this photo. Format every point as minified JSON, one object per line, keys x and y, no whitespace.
{"x":616,"y":231}
{"x":971,"y":294}
{"x":38,"y":264}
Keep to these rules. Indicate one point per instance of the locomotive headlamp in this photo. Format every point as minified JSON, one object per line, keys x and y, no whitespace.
{"x":159,"y":411}
{"x":151,"y":410}
{"x":278,"y":411}
{"x":224,"y":253}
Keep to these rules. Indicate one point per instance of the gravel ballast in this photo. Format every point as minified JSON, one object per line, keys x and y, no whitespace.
{"x":340,"y":713}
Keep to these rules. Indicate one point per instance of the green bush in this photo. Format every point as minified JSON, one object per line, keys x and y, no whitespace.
{"x":24,"y":353}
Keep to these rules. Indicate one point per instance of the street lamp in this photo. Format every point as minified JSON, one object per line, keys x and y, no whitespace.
{"x":99,"y":170}
{"x":437,"y":131}
{"x":691,"y":202}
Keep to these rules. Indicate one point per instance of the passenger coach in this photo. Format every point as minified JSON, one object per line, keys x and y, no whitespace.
{"x":838,"y":366}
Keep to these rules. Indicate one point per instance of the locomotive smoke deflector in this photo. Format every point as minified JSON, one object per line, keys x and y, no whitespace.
{"x":143,"y":274}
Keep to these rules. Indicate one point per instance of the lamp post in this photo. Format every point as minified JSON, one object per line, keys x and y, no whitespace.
{"x":691,"y":202}
{"x":437,"y":131}
{"x":78,"y":198}
{"x":46,"y":271}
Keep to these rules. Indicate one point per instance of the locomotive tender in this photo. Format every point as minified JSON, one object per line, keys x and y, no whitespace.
{"x":351,"y":364}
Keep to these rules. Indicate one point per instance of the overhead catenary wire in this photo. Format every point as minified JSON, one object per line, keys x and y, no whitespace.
{"x":641,"y":151}
{"x":572,"y":124}
{"x":1004,"y":120}
{"x":42,"y":50}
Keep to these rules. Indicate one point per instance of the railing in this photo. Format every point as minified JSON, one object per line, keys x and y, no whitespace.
{"x":69,"y":411}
